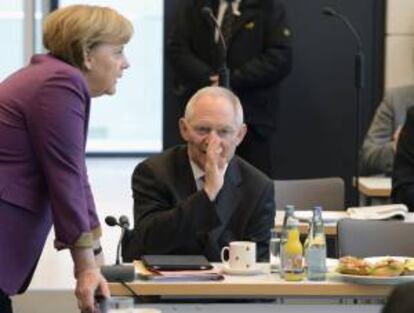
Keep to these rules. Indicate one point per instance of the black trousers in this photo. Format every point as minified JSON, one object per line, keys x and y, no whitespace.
{"x":405,"y":194}
{"x":5,"y":303}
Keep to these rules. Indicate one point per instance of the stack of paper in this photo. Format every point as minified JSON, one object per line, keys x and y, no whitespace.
{"x":378,"y":212}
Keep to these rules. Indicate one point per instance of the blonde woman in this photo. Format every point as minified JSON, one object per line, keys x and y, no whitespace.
{"x":44,"y":114}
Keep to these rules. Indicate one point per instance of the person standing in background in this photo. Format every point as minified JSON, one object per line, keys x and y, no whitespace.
{"x":378,"y":150}
{"x":258,"y":41}
{"x":44,"y":114}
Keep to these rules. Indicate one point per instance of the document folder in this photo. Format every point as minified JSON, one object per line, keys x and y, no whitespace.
{"x":175,"y":262}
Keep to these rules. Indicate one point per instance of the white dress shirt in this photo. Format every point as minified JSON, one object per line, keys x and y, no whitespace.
{"x":198,"y":175}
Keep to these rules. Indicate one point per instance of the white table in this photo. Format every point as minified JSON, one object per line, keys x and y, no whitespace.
{"x":331,"y":295}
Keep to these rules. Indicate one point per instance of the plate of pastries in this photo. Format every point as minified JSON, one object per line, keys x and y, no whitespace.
{"x":376,"y":270}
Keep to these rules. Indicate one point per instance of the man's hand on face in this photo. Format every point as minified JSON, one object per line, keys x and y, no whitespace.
{"x":214,"y":168}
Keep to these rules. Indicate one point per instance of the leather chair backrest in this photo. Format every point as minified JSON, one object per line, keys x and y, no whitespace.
{"x":375,"y":238}
{"x":304,"y":194}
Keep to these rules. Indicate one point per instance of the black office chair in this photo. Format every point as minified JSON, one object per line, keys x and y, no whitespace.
{"x":401,"y":300}
{"x":363,"y":238}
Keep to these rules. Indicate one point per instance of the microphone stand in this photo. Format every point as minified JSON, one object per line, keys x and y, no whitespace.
{"x":359,"y":82}
{"x":223,"y":71}
{"x":118,"y":247}
{"x":118,"y":272}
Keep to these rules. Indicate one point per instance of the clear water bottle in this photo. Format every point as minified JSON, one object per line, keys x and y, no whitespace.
{"x":316,"y":250}
{"x":274,"y":250}
{"x":289,"y":213}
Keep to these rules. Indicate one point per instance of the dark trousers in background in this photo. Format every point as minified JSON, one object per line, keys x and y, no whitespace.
{"x":405,"y":194}
{"x":257,"y":148}
{"x":5,"y":303}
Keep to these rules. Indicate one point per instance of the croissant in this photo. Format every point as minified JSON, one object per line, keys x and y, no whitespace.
{"x":354,"y":266}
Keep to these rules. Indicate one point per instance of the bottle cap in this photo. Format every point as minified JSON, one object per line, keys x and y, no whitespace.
{"x":292,"y":221}
{"x":290,"y":208}
{"x":318,"y":208}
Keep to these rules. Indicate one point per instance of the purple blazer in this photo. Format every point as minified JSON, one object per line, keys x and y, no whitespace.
{"x":44,"y":113}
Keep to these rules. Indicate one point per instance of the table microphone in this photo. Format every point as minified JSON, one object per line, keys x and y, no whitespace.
{"x":124,"y":221}
{"x":118,"y":272}
{"x":224,"y":73}
{"x":111,"y":220}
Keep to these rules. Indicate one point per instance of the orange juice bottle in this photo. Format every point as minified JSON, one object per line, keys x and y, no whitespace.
{"x":293,"y":252}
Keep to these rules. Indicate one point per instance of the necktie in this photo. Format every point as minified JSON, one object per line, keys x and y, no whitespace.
{"x":227,"y":23}
{"x":200,"y":182}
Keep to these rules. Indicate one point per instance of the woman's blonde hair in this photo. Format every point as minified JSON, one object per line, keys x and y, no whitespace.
{"x":70,"y":31}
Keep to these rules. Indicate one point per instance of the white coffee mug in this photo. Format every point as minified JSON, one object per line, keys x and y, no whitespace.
{"x":241,"y":255}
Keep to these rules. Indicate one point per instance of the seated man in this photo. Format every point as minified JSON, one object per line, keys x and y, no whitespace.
{"x":195,"y":199}
{"x":377,"y":152}
{"x":403,"y":173}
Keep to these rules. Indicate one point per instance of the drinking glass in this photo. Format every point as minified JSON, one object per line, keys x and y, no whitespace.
{"x":119,"y":305}
{"x":274,"y":250}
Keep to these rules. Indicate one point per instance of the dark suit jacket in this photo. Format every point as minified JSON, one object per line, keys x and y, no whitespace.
{"x":403,"y":172}
{"x":258,"y":55}
{"x":172,"y":217}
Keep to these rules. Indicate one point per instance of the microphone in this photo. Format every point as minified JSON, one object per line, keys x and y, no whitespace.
{"x":224,"y":73}
{"x":110,"y":221}
{"x":124,"y":221}
{"x":359,"y":58}
{"x":329,"y":11}
{"x":359,"y":82}
{"x":118,"y":272}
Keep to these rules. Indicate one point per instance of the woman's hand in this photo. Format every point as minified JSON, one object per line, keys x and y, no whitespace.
{"x":88,"y":281}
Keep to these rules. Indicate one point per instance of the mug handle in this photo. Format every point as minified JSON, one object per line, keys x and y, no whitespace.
{"x":226,"y":262}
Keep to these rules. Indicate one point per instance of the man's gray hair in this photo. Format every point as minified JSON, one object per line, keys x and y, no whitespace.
{"x":216,"y":92}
